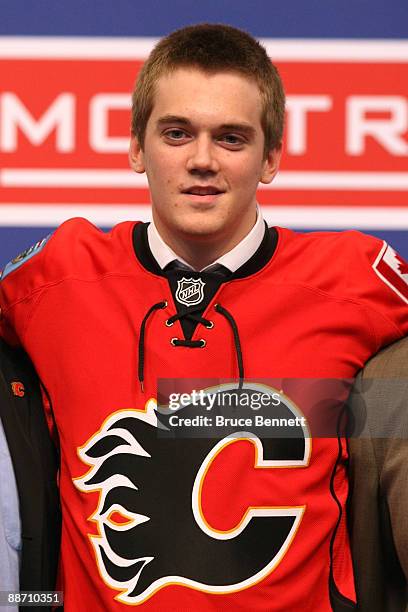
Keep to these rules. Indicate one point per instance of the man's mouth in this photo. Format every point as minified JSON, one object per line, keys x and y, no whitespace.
{"x":198,"y":190}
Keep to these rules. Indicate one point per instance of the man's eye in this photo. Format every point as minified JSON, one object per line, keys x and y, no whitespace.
{"x":175,"y":134}
{"x":232,"y":139}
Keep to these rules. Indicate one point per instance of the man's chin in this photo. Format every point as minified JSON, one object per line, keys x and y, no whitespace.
{"x":204,"y":229}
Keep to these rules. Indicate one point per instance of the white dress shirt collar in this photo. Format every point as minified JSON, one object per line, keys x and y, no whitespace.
{"x":232,"y":260}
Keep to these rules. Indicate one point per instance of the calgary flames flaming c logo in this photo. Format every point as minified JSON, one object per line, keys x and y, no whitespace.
{"x":152,"y":530}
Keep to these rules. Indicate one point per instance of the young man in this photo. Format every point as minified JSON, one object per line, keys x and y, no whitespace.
{"x":206,"y":291}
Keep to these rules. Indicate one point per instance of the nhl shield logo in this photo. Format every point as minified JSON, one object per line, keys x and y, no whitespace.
{"x":190,"y":291}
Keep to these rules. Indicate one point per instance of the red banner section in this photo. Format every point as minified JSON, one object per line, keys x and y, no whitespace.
{"x":64,"y":127}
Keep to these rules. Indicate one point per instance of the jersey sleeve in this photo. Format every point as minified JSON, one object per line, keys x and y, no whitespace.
{"x":25,"y":278}
{"x":378,"y":279}
{"x":355,"y":268}
{"x":21,"y":280}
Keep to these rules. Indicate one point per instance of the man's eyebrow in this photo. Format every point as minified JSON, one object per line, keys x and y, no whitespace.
{"x":238,"y":127}
{"x":173,"y":119}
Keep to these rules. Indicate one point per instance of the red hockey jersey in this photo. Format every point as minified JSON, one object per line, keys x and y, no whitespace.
{"x":240,"y":523}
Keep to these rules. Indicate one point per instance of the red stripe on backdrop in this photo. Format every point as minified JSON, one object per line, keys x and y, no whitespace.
{"x":333,"y":198}
{"x":141,"y":196}
{"x":342,"y":117}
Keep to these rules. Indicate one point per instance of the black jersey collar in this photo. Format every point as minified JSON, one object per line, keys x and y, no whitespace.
{"x":255,"y":263}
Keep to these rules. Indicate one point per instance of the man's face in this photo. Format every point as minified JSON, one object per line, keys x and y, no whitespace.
{"x":204,"y":157}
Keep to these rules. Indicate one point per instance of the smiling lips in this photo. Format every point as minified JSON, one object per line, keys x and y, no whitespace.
{"x":203,"y":194}
{"x":202,"y":190}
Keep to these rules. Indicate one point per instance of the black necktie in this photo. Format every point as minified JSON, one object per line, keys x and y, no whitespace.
{"x":216,"y":269}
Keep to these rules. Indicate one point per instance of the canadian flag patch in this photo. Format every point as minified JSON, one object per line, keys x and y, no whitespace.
{"x":393,"y":270}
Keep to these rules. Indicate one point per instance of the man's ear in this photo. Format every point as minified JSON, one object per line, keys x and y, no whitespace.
{"x":136,"y":156}
{"x":271,"y":164}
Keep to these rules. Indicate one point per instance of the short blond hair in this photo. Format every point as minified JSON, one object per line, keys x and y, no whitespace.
{"x":212,"y":48}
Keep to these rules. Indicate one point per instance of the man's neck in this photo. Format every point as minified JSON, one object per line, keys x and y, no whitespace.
{"x":202,"y":253}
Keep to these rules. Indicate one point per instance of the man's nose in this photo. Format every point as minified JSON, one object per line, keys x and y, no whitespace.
{"x":203,"y":155}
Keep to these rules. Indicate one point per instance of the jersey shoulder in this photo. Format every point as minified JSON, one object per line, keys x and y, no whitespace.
{"x":350,"y":266}
{"x":336,"y":262}
{"x":76,"y":249}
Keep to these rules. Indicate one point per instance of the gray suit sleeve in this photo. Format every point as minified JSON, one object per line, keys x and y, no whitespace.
{"x":379,"y":481}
